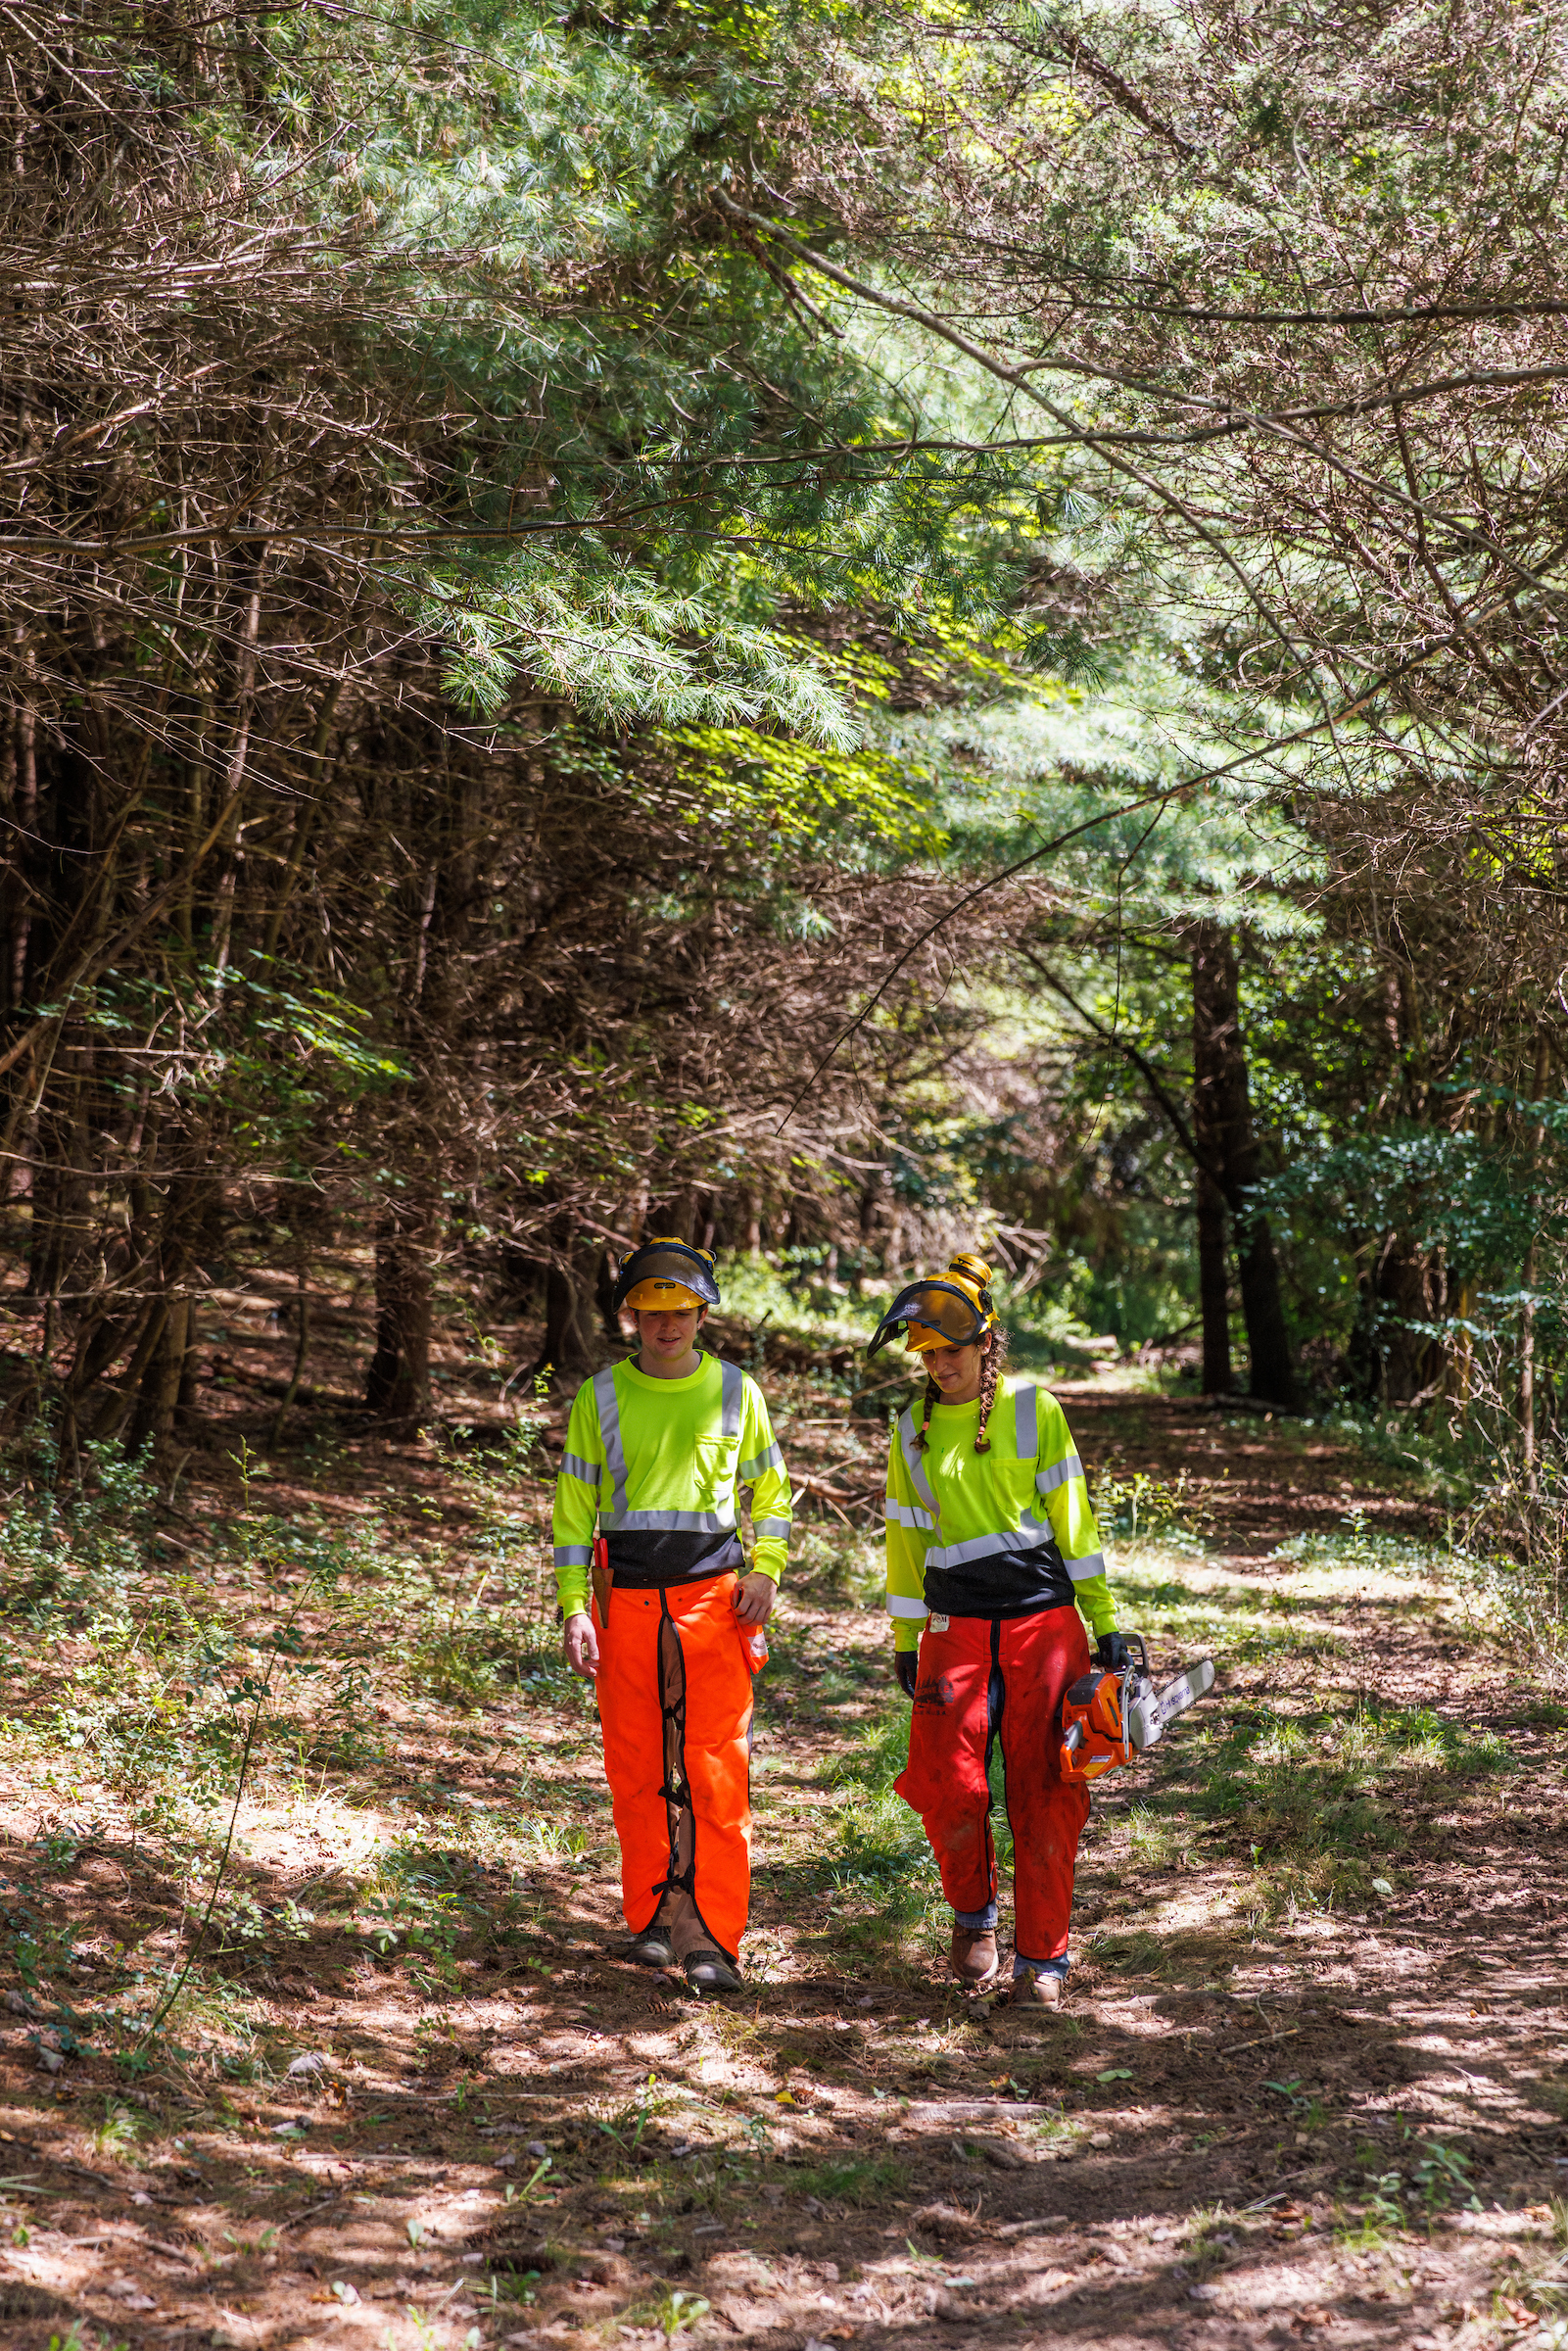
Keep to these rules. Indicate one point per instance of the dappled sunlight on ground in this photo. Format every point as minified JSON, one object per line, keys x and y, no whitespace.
{"x":1308,"y":2083}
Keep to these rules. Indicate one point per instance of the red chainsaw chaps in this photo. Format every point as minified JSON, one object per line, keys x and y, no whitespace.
{"x":1035,"y":1659}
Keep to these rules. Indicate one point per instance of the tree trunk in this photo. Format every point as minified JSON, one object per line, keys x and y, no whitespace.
{"x":152,"y":1414}
{"x":397,"y":1385}
{"x":605,"y":1298}
{"x":570,"y":1289}
{"x":1527,"y":1283}
{"x":108,"y":1423}
{"x":302,"y":1348}
{"x":1213,"y":1288}
{"x":1395,"y":1360}
{"x":1222,"y":1111}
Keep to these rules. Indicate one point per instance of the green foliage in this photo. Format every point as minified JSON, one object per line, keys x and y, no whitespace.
{"x":661,"y":450}
{"x":1143,"y":1508}
{"x":116,"y":2135}
{"x":1457,"y":1193}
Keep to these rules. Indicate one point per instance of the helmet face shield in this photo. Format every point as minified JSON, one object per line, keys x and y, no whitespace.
{"x":936,"y":1313}
{"x":668,"y":1275}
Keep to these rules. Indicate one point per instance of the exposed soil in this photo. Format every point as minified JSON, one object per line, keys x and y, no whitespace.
{"x":1276,"y":2106}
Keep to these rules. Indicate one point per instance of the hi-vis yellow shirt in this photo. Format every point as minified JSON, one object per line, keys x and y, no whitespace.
{"x":991,"y":1534}
{"x":656,"y":1464}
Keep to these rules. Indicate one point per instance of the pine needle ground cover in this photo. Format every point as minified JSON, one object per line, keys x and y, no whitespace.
{"x":380,"y":2077}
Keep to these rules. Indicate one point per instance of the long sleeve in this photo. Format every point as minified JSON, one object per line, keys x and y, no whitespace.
{"x":911,"y":1521}
{"x":576,"y":1501}
{"x":1062,"y":1486}
{"x":762,"y":1468}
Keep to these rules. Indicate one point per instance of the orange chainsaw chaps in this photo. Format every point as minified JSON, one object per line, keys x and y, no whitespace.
{"x":675,"y":1703}
{"x":1092,"y":1708}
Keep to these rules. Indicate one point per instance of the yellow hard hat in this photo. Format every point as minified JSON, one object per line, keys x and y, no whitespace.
{"x":661,"y":1298}
{"x":666,"y":1278}
{"x":952,"y":1309}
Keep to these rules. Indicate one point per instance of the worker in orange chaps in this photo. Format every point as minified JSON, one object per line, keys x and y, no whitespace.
{"x":675,"y":1701}
{"x":656,"y":1448}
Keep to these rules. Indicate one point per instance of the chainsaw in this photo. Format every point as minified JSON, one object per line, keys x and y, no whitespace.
{"x":1107,"y":1718}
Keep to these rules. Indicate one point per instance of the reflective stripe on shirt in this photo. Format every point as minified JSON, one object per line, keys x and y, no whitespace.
{"x":609,"y":1425}
{"x":1059,"y":1473}
{"x":673,"y":1522}
{"x":1031,"y":1534}
{"x":574,"y":1465}
{"x":917,"y":1467}
{"x":732,"y":1395}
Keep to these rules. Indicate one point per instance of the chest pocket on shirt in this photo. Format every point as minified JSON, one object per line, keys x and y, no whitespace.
{"x":1016,"y":1480}
{"x":716,"y":1460}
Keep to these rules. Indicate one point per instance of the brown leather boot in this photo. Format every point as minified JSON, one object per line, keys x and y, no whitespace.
{"x":709,"y":1973}
{"x":1036,"y":1988}
{"x":652,"y":1947}
{"x":973,"y":1958}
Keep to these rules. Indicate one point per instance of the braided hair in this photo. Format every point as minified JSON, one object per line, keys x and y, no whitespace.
{"x":993,"y":1356}
{"x":993,"y":1353}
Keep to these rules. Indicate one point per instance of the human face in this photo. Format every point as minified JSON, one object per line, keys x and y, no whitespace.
{"x":667,"y":1342}
{"x":956,"y":1371}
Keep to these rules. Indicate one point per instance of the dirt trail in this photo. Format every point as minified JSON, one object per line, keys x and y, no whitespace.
{"x":1308,"y":2083}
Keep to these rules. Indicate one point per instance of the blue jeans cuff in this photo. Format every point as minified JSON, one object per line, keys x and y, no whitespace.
{"x":1041,"y":1967}
{"x":977,"y":1920}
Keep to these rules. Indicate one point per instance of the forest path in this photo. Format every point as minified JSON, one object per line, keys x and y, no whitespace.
{"x":1308,"y":2083}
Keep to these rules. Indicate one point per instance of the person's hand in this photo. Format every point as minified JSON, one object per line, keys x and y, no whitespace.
{"x":582,"y":1645}
{"x":906,"y":1669}
{"x":1112,"y":1652}
{"x":754,"y":1596}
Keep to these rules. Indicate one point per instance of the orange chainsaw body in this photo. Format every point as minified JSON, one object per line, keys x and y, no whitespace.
{"x":1094,"y":1734}
{"x":1108,"y":1719}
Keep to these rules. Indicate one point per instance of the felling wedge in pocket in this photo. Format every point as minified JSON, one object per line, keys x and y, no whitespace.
{"x":1107,"y":1718}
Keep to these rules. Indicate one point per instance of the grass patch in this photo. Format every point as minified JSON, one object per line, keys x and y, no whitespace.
{"x":870,"y":2181}
{"x":1310,"y":1798}
{"x":1139,"y":1952}
{"x":885,"y":1893}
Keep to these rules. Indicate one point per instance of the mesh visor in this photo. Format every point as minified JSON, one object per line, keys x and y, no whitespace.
{"x":936,"y":1305}
{"x":667,"y":1261}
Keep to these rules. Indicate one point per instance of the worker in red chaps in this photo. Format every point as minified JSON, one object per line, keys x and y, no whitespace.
{"x":992,"y":1554}
{"x":982,"y":1678}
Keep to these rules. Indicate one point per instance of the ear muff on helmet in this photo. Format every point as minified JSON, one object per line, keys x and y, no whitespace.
{"x":972,"y":1271}
{"x":954,"y":1311}
{"x":667,"y":1275}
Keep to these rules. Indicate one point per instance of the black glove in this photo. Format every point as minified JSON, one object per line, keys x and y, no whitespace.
{"x":1111,"y":1651}
{"x":906,"y":1666}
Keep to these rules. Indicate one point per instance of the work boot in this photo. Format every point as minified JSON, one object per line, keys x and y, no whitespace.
{"x":973,"y":1958}
{"x":652,"y":1947}
{"x":709,"y":1973}
{"x":1037,"y":1988}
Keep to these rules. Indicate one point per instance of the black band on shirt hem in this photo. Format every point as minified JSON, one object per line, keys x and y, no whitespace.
{"x":1005,"y":1584}
{"x":652,"y":1562}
